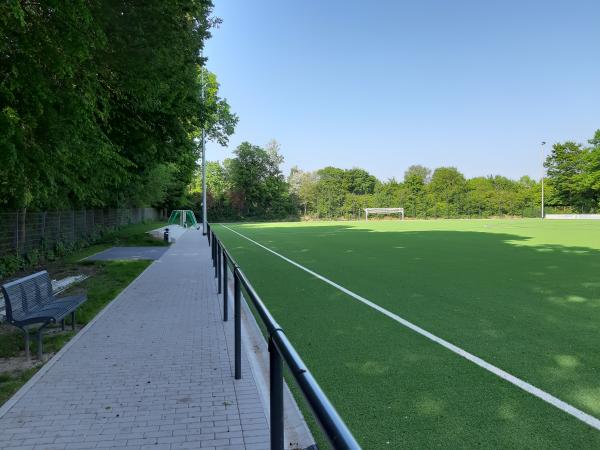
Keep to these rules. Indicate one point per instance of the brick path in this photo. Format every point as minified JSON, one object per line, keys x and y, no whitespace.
{"x":153,"y":372}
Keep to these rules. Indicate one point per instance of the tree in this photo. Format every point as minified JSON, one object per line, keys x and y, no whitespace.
{"x":303,"y":186}
{"x":53,"y":149}
{"x":415,"y":179}
{"x":447,"y":182}
{"x":258,"y":186}
{"x":219,"y":122}
{"x":273,"y":149}
{"x":330,"y":190}
{"x":359,"y":181}
{"x":390,"y":194}
{"x":574,"y":173}
{"x":99,"y":101}
{"x":447,"y":189}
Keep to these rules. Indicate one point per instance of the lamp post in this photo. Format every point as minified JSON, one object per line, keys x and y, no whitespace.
{"x":542,"y":147}
{"x":203,"y":151}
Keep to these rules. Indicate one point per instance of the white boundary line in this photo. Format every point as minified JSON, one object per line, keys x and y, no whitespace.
{"x":537,"y":392}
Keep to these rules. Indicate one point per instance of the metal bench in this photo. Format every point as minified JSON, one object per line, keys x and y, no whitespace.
{"x":30,"y":301}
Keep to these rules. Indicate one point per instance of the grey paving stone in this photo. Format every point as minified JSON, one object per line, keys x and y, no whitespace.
{"x":114,"y":253}
{"x":155,"y":370}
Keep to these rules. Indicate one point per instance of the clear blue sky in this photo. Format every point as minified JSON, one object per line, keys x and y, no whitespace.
{"x":385,"y":84}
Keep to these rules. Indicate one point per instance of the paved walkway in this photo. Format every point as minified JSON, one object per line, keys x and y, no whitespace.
{"x":128,"y":253}
{"x":154,"y":371}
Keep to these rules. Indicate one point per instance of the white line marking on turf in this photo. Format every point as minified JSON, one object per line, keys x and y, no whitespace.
{"x":549,"y":398}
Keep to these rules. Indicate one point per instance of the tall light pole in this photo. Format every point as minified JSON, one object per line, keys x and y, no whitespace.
{"x":543,"y":172}
{"x":203,"y":151}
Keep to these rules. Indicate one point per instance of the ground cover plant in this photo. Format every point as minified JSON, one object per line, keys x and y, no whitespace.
{"x":62,"y":254}
{"x":106,"y":280}
{"x":521,"y":294}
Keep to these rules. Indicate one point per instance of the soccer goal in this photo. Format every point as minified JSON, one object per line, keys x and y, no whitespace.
{"x":183,"y":217}
{"x":384,"y":211}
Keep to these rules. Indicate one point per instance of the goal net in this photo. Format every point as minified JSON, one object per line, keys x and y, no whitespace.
{"x":384,"y":211}
{"x":183,"y":217}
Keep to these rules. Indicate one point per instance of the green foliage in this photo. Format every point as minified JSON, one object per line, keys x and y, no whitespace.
{"x":574,"y":173}
{"x":33,"y":257}
{"x":415,"y":178}
{"x":10,"y":264}
{"x":100,"y":101}
{"x":331,"y":193}
{"x":73,"y":252}
{"x":12,"y":382}
{"x":251,"y":186}
{"x":106,"y":285}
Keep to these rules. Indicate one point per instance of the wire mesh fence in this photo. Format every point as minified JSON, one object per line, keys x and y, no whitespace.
{"x":24,"y":231}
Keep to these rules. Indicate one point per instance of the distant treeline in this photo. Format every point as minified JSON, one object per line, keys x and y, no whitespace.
{"x":251,"y":186}
{"x":100,"y":102}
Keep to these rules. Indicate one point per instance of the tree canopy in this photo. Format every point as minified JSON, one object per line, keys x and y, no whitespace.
{"x":574,"y":172}
{"x":100,"y":101}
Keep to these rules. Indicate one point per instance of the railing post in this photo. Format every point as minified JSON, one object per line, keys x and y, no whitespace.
{"x":212,"y":248}
{"x":237,"y":316}
{"x":216,"y":260}
{"x":225,"y":290}
{"x":276,"y":396}
{"x":219,"y":254}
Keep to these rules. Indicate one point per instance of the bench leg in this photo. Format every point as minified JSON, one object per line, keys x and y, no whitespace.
{"x":73,"y":320}
{"x":27,"y":355}
{"x":39,"y":343}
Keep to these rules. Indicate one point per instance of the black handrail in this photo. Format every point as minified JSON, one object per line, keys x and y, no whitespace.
{"x":280,"y":349}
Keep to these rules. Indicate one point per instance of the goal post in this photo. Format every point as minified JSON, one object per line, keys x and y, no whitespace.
{"x":182,"y":217}
{"x":384,"y":211}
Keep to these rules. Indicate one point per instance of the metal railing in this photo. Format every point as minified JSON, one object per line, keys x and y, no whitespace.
{"x":280,"y":350}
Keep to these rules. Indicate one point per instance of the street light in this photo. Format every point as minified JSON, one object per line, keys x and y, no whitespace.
{"x":203,"y":151}
{"x":542,"y":147}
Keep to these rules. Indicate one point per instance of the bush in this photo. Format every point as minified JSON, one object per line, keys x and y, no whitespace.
{"x":10,"y":264}
{"x":33,"y":257}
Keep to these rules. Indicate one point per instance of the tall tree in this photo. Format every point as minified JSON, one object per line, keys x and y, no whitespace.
{"x":574,"y":173}
{"x":415,"y":179}
{"x":99,"y":101}
{"x":359,"y":181}
{"x":303,"y":187}
{"x":447,"y":182}
{"x":257,"y":183}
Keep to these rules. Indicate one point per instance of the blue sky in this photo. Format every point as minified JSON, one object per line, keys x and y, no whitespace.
{"x":385,"y":84}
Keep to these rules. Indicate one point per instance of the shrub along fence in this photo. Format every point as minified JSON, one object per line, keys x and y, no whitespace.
{"x":24,"y":232}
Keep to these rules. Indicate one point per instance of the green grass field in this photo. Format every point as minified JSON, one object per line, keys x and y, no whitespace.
{"x":524,"y":295}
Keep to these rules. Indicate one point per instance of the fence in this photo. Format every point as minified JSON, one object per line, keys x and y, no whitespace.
{"x":280,"y":350}
{"x":22,"y":232}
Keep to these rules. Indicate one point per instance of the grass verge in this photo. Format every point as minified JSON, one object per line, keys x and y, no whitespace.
{"x":106,"y":280}
{"x":110,"y":279}
{"x":130,"y":236}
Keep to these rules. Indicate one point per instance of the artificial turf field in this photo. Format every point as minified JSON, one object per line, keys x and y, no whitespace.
{"x":523,"y":295}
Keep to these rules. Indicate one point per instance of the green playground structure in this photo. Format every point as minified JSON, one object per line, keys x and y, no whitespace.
{"x":183,"y":217}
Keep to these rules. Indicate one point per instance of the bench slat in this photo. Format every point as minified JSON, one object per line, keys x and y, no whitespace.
{"x":30,"y":300}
